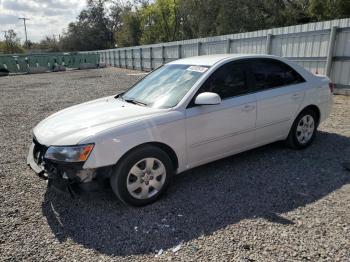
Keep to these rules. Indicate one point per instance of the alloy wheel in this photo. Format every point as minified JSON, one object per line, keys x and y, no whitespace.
{"x":305,"y":129}
{"x":146,"y":178}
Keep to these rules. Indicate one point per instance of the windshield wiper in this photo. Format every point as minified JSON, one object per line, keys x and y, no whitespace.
{"x":135,"y":102}
{"x":132,"y":101}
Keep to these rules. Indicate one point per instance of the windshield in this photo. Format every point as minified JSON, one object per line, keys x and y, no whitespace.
{"x":165,"y":87}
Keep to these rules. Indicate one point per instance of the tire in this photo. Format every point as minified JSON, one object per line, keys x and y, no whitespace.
{"x":299,"y":130}
{"x":142,"y":176}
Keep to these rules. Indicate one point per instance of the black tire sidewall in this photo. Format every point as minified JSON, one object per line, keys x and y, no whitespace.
{"x":121,"y":171}
{"x":293,"y":135}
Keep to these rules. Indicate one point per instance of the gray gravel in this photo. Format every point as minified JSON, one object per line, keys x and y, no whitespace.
{"x":270,"y":203}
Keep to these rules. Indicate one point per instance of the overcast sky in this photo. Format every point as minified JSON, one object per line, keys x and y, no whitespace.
{"x":47,"y":17}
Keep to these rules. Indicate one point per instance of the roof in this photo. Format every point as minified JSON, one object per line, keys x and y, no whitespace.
{"x":209,"y":60}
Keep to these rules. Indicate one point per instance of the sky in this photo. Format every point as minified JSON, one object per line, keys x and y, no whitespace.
{"x":47,"y":17}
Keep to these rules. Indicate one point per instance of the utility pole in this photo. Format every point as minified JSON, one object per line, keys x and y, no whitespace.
{"x":25,"y":28}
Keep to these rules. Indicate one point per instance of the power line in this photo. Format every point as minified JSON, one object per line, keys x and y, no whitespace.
{"x":25,"y":27}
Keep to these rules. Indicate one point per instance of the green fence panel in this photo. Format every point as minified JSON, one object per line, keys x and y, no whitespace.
{"x":68,"y":61}
{"x":37,"y":61}
{"x":8,"y":62}
{"x":42,"y":61}
{"x":21,"y":62}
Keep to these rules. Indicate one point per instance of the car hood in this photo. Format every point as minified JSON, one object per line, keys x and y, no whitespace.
{"x":73,"y":124}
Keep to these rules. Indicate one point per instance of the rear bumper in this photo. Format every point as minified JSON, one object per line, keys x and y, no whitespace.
{"x":326,"y":109}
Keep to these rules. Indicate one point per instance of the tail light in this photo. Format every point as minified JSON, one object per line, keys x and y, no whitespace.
{"x":331,"y":86}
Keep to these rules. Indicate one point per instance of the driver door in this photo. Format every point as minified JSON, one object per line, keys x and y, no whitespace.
{"x":216,"y":131}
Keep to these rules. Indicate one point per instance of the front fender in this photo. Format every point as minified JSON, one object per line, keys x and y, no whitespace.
{"x":111,"y":145}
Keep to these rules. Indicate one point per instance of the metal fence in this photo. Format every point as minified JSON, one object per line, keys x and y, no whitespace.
{"x":21,"y":63}
{"x":322,"y":47}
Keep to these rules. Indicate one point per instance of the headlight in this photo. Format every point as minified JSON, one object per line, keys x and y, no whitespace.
{"x":69,"y":153}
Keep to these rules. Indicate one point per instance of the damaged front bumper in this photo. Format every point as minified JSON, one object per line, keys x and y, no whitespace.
{"x":64,"y":176}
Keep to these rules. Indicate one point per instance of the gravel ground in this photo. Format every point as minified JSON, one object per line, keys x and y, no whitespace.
{"x":270,"y":203}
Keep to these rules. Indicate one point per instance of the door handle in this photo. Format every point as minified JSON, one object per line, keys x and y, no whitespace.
{"x":248,"y":108}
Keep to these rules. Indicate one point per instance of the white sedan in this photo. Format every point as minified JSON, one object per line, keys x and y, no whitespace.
{"x":184,"y":114}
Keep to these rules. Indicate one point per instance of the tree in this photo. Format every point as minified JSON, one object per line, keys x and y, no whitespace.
{"x":130,"y":33}
{"x":198,"y":18}
{"x":130,"y":23}
{"x":203,"y":18}
{"x":11,"y":44}
{"x":146,"y":22}
{"x":92,"y":31}
{"x":49,"y":44}
{"x":2,"y":47}
{"x":126,"y":24}
{"x":329,"y":9}
{"x":160,"y":21}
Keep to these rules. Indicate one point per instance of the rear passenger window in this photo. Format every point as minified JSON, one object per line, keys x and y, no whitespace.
{"x":227,"y":81}
{"x":268,"y":73}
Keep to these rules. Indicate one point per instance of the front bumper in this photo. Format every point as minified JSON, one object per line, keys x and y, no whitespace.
{"x":63,"y":176}
{"x":38,"y":169}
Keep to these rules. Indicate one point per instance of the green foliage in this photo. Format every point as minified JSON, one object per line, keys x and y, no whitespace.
{"x":160,"y":21}
{"x":92,"y":30}
{"x":2,"y":47}
{"x":199,"y":17}
{"x":12,"y":44}
{"x":130,"y":23}
{"x":329,"y":9}
{"x":50,"y":45}
{"x":128,"y":31}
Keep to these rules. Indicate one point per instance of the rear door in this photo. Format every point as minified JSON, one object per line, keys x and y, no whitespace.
{"x":279,"y":92}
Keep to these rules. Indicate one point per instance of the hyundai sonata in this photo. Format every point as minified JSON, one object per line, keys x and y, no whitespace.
{"x":184,"y":114}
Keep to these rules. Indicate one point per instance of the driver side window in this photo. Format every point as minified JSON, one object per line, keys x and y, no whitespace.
{"x":227,"y":81}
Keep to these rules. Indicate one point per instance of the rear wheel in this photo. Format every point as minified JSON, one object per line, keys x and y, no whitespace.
{"x":142,"y":176}
{"x":303,"y":131}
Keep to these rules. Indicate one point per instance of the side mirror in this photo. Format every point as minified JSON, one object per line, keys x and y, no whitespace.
{"x":208,"y":98}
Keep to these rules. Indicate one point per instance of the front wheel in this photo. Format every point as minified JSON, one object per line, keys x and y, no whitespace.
{"x":303,"y":131}
{"x":142,"y":176}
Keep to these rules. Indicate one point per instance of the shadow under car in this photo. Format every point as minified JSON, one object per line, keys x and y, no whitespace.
{"x":261,"y":183}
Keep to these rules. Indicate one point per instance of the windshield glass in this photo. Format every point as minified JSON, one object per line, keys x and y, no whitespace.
{"x":165,"y":87}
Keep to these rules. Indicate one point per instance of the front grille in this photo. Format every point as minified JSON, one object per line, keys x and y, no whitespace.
{"x":39,"y":151}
